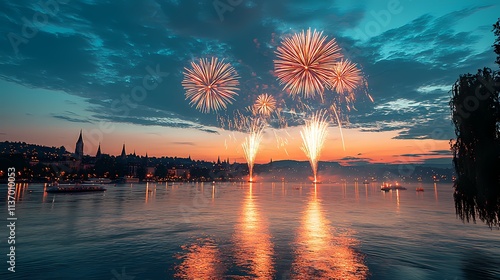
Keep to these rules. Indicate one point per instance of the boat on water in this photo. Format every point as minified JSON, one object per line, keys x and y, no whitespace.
{"x":385,"y":187}
{"x":75,"y":188}
{"x":419,"y":189}
{"x":398,"y":187}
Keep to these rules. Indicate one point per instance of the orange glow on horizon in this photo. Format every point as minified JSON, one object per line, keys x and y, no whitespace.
{"x":378,"y":147}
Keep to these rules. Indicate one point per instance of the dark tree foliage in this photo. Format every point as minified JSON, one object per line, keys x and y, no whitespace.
{"x":496,"y":46}
{"x":161,"y":171}
{"x":475,"y":110}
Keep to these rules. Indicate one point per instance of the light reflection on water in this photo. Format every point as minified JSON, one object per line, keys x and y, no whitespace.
{"x":201,"y":260}
{"x":323,"y":253}
{"x":263,"y":230}
{"x":252,"y":242}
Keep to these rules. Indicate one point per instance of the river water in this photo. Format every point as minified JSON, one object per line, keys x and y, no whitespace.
{"x":245,"y":231}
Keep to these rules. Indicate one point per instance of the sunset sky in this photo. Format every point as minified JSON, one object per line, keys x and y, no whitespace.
{"x":80,"y":61}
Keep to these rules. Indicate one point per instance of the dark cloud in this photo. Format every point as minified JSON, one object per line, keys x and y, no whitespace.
{"x":438,"y":162}
{"x":355,"y":161}
{"x":431,"y":153}
{"x":184,"y":143}
{"x":441,"y":152}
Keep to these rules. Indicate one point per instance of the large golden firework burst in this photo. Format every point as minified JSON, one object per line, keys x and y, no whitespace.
{"x":305,"y":62}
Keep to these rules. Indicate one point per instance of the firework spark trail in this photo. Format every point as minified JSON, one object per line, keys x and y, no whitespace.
{"x":251,"y":145}
{"x":210,"y":85}
{"x":281,"y":142}
{"x":305,"y":62}
{"x":238,"y":121}
{"x":340,"y":126}
{"x":313,"y":136}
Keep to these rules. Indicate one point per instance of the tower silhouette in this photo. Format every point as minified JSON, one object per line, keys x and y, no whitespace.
{"x":79,"y":147}
{"x":98,"y":154}
{"x":123,"y":155}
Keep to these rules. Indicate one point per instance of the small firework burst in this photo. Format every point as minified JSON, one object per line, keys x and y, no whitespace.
{"x":305,"y":62}
{"x":210,"y":84}
{"x":265,"y":104}
{"x":345,"y":77}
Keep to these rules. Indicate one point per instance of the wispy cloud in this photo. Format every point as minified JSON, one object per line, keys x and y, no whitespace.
{"x":184,"y":143}
{"x":71,"y":119}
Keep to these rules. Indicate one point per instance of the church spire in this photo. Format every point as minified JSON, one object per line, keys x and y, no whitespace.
{"x":123,"y":155}
{"x":79,"y":147}
{"x":98,"y":154}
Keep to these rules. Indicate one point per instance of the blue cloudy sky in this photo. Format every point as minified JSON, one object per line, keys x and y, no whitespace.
{"x":73,"y":65}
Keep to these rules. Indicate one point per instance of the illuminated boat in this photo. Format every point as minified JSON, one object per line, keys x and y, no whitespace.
{"x":75,"y":188}
{"x":385,"y":187}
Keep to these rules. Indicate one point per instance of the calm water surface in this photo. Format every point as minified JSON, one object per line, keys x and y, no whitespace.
{"x":246,"y":231}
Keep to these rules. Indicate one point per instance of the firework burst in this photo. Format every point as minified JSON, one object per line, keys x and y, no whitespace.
{"x":313,"y":136}
{"x":265,"y":105}
{"x":345,"y":77}
{"x":305,"y":62}
{"x":210,"y":84}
